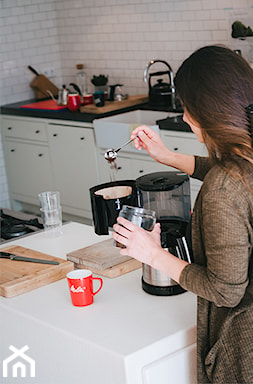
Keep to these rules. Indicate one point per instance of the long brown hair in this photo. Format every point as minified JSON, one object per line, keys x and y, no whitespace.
{"x":215,"y":85}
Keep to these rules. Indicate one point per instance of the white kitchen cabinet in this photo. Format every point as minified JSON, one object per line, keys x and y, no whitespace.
{"x":27,"y":158}
{"x":43,"y":155}
{"x":74,"y":165}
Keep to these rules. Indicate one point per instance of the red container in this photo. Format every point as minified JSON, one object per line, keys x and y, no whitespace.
{"x":87,"y":99}
{"x":74,"y":102}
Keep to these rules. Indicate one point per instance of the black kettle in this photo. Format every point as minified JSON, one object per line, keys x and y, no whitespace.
{"x":161,"y":93}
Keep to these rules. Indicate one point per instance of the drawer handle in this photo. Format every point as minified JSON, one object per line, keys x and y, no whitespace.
{"x":40,"y":154}
{"x":82,"y":138}
{"x":9,"y":128}
{"x":176,"y":149}
{"x":12,"y":150}
{"x":38,"y":131}
{"x":55,"y":134}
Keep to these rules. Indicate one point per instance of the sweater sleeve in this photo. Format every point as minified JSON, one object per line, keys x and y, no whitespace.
{"x":202,"y":166}
{"x":221,"y":276}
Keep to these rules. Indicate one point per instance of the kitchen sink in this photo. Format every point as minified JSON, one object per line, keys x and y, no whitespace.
{"x":113,"y":131}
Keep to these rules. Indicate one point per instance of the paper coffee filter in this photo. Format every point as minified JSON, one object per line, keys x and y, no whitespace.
{"x":116,"y":192}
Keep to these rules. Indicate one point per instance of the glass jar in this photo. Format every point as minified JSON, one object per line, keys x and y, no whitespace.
{"x":141,"y":217}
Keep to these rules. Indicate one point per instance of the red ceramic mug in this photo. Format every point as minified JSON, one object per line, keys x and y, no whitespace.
{"x":80,"y":283}
{"x":74,"y":102}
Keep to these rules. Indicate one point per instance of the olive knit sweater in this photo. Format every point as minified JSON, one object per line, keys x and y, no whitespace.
{"x":222,"y":274}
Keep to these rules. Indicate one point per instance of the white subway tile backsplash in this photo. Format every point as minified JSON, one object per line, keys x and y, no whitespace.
{"x":114,"y":37}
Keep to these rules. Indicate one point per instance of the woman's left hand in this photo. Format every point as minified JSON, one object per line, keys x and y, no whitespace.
{"x":140,"y":244}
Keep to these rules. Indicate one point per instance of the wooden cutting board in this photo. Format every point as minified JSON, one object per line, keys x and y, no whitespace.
{"x":115,"y":105}
{"x":17,"y":277}
{"x":104,"y":259}
{"x":49,"y":105}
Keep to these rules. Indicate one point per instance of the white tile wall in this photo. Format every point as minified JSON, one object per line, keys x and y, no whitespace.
{"x":112,"y":37}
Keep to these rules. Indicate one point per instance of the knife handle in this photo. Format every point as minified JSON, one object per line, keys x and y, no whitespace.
{"x":33,"y":70}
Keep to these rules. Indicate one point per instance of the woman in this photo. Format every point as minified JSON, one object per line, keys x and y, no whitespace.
{"x":215,"y":86}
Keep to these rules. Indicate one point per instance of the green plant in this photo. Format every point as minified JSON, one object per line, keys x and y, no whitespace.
{"x":99,"y":80}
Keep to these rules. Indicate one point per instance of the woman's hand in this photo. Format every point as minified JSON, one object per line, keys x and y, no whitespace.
{"x":146,"y":247}
{"x":140,"y":244}
{"x":152,"y":143}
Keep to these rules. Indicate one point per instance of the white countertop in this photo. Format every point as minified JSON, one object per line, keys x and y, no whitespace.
{"x":125,"y":328}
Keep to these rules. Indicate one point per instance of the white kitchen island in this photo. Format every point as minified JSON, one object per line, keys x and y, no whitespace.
{"x":125,"y":337}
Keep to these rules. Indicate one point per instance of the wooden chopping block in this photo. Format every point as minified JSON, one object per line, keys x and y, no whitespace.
{"x":41,"y":84}
{"x":115,"y":105}
{"x":17,"y":277}
{"x":104,"y":259}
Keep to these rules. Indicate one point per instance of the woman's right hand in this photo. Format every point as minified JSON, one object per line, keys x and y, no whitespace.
{"x":152,"y":143}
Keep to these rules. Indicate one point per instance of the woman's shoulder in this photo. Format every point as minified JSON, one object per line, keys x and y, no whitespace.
{"x":229,"y":180}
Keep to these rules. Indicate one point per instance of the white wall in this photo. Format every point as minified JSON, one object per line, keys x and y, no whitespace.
{"x":112,"y":37}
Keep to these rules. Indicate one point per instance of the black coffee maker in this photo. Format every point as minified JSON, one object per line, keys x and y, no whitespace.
{"x":166,"y":193}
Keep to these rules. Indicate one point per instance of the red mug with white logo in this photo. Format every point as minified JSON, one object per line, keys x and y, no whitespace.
{"x":80,"y":283}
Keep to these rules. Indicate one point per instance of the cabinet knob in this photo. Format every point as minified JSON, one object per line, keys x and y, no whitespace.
{"x":12,"y":150}
{"x":176,"y":149}
{"x":82,"y":138}
{"x":38,"y":131}
{"x":119,"y":168}
{"x":55,"y":134}
{"x":9,"y":128}
{"x":141,"y":170}
{"x":40,"y":154}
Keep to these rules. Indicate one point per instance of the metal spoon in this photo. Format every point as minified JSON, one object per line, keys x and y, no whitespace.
{"x":111,"y":154}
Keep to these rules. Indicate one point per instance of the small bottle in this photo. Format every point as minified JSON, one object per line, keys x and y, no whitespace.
{"x":81,"y":79}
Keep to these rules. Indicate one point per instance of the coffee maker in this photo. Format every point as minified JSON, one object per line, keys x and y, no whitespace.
{"x":107,"y":200}
{"x":166,"y":193}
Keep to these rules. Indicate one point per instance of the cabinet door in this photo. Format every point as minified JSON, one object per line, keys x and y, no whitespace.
{"x":74,"y":166}
{"x":177,"y":368}
{"x":28,"y":170}
{"x":123,"y":169}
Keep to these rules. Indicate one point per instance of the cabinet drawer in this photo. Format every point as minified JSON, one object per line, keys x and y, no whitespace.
{"x":25,"y":129}
{"x":177,"y":368}
{"x":143,"y":167}
{"x":186,"y":145}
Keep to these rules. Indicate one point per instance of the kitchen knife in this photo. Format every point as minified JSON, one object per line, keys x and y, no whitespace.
{"x":33,"y":70}
{"x":11,"y":256}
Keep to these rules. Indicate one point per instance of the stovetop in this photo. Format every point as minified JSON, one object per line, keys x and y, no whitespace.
{"x":14,"y":224}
